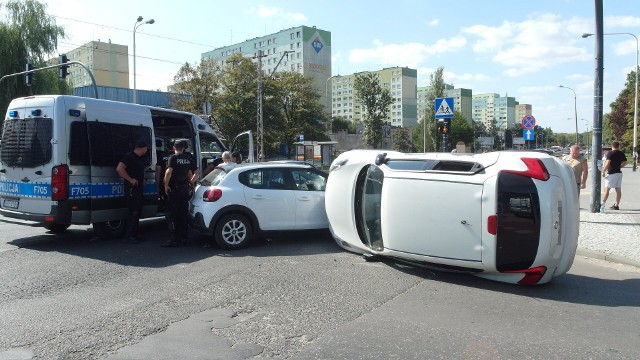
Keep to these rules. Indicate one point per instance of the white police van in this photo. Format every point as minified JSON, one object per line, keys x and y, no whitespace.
{"x":58,"y":158}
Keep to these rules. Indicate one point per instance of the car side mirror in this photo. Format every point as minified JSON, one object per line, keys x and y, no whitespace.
{"x":381,"y":159}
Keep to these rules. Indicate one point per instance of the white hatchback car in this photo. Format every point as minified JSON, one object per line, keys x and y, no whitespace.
{"x":508,"y":216}
{"x":234,"y":202}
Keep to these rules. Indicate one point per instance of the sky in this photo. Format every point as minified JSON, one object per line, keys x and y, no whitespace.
{"x":523,"y":49}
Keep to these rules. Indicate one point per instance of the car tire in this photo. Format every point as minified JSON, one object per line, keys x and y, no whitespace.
{"x":232,"y":232}
{"x":57,"y":228}
{"x":114,"y":229}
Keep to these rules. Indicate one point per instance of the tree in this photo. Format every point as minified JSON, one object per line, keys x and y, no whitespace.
{"x":339,"y":123}
{"x":236,"y":105}
{"x":460,"y":130}
{"x":301,"y":111}
{"x":199,"y":83}
{"x":436,"y":90}
{"x":375,"y":100}
{"x":402,"y":140}
{"x":620,"y":119}
{"x":28,"y":34}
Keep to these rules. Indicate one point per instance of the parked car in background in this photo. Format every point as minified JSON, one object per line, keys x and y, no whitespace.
{"x":234,"y":202}
{"x":510,"y":216}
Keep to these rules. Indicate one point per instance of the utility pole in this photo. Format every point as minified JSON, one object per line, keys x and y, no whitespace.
{"x":597,"y":111}
{"x":260,"y":125}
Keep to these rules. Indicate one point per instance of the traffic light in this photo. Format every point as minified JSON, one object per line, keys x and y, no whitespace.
{"x":62,"y":70}
{"x":444,"y":126}
{"x":28,"y":78}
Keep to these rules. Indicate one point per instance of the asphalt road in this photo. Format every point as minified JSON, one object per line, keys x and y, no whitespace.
{"x":298,"y":296}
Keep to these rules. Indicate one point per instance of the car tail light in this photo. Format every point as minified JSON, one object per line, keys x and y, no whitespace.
{"x":212,"y":194}
{"x":531,"y":276}
{"x":535,"y":169}
{"x":492,"y":224}
{"x":60,"y":182}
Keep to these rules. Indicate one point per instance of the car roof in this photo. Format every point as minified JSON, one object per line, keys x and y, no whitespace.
{"x":281,"y":163}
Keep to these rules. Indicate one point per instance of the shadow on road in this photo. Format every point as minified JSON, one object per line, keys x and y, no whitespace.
{"x":82,"y":242}
{"x":570,"y":288}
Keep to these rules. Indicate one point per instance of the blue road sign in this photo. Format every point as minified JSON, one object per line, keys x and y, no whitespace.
{"x":527,"y":134}
{"x":444,"y":108}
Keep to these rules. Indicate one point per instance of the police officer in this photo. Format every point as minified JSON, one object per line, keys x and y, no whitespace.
{"x":179,"y":177}
{"x":131,"y":169}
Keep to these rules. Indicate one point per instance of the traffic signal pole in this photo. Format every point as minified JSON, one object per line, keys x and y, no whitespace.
{"x":29,"y":72}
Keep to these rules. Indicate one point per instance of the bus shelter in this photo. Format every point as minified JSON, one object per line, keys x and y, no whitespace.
{"x":318,"y":153}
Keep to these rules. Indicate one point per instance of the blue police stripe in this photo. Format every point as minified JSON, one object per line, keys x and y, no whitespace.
{"x":76,"y":191}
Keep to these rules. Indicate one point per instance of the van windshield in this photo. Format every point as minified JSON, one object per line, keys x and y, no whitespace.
{"x":26,"y":143}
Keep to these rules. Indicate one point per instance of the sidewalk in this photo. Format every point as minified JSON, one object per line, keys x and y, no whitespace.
{"x":614,"y":235}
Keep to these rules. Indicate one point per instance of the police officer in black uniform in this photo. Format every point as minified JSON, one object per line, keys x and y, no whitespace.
{"x":179,"y":177}
{"x":131,"y":169}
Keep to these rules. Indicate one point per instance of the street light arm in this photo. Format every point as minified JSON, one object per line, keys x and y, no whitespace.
{"x":575,"y":110}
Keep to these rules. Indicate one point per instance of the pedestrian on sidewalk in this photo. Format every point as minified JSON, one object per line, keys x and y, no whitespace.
{"x":612,"y":173}
{"x":579,"y":166}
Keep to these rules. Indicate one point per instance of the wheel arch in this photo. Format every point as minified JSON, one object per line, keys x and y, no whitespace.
{"x":235,"y":209}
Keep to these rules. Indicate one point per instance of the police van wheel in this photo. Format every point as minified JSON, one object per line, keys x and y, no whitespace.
{"x":232,"y":232}
{"x":57,"y":228}
{"x":110,"y":229}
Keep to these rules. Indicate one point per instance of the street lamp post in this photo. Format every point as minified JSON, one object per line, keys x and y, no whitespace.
{"x":635,"y":105}
{"x":135,"y":27}
{"x":575,"y":109}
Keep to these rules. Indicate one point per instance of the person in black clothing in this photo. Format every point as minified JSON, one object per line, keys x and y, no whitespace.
{"x":131,"y":169}
{"x":162,"y":156}
{"x":178,"y":179}
{"x":613,"y":175}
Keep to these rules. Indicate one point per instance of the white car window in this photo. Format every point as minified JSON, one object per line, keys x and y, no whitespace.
{"x":306,"y":179}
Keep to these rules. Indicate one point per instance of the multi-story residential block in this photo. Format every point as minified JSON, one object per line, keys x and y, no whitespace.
{"x":108,"y":62}
{"x":304,"y":49}
{"x":522,"y":110}
{"x":492,"y":107}
{"x":402,"y":84}
{"x":462,"y":99}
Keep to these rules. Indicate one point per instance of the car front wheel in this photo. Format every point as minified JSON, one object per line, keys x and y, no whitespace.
{"x":232,"y":232}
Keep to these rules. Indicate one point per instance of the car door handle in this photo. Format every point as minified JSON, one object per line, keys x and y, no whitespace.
{"x":304,"y":198}
{"x":258,"y":197}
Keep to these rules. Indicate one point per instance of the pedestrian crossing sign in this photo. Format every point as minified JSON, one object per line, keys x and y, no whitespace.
{"x":444,"y":108}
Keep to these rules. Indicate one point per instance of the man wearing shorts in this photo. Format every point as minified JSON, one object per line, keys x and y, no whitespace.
{"x":612,"y":174}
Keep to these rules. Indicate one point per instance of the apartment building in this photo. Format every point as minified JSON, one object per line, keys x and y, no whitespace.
{"x":493,"y":107}
{"x":522,"y":110}
{"x":402,"y":84}
{"x":109,"y":63}
{"x":304,"y":49}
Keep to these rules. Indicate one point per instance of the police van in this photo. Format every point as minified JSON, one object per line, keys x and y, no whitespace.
{"x":58,"y":158}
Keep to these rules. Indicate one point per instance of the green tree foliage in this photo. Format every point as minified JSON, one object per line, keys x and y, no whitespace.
{"x":460,"y":130}
{"x":375,"y":100}
{"x":28,"y":34}
{"x":620,"y":120}
{"x":340,"y":123}
{"x":429,"y":142}
{"x":200,"y":82}
{"x":236,"y":105}
{"x":301,"y":111}
{"x":402,"y":140}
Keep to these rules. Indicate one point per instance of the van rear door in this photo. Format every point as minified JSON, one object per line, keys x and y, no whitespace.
{"x":26,"y":157}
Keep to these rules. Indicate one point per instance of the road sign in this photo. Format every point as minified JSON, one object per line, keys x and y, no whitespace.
{"x":527,"y":134}
{"x":529,"y":122}
{"x":444,"y":108}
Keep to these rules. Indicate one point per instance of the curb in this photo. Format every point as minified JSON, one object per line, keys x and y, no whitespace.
{"x":607,"y":257}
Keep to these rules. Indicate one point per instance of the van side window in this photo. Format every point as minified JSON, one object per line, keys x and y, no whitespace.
{"x":79,"y":144}
{"x":104,"y":144}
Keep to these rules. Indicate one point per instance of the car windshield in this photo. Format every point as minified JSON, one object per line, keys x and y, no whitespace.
{"x":214,"y":177}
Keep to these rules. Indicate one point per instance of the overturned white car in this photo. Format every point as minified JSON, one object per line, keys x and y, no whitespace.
{"x":508,"y":216}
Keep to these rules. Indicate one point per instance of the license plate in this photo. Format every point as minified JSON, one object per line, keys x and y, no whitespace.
{"x":11,"y":204}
